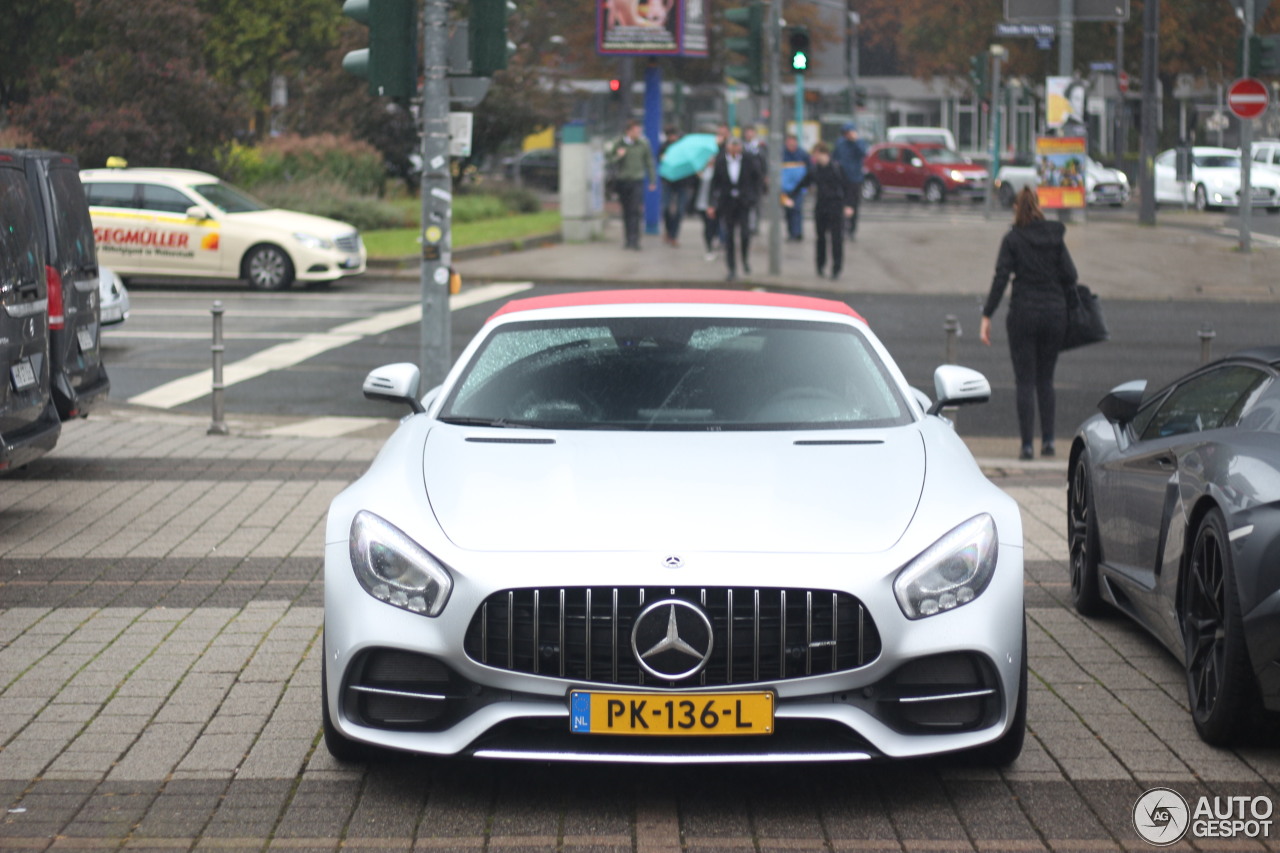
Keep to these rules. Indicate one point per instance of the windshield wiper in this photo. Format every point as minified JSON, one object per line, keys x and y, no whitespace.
{"x":497,"y":423}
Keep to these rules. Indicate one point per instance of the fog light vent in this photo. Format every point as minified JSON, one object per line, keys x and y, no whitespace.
{"x":951,"y":692}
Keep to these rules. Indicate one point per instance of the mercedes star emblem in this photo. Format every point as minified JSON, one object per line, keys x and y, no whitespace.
{"x":672,"y":639}
{"x":673,"y":562}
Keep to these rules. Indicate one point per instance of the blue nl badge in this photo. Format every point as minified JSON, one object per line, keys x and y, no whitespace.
{"x":580,"y":712}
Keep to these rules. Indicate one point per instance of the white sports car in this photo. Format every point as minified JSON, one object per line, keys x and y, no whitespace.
{"x":1214,"y":181}
{"x":675,"y":527}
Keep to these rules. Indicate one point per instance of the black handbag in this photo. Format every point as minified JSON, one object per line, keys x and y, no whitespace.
{"x":1085,"y":323}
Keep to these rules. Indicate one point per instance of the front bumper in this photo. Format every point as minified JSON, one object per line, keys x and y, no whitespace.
{"x":330,"y":264}
{"x":945,"y":683}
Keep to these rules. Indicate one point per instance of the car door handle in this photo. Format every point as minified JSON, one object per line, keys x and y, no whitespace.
{"x":1166,"y":461}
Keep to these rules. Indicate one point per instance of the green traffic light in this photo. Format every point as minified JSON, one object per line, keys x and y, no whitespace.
{"x":800,"y":62}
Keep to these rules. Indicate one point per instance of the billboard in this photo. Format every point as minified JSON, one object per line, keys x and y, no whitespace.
{"x":651,"y":27}
{"x":1063,"y":102}
{"x":1060,"y":167}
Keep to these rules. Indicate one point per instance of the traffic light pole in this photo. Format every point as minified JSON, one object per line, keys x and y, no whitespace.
{"x":773,"y":206}
{"x":1246,"y":143}
{"x":436,"y":331}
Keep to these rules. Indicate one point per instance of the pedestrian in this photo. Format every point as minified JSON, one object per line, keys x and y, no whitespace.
{"x":1034,"y":253}
{"x":850,"y":153}
{"x":754,"y":145}
{"x":702,"y":204}
{"x":735,"y":189}
{"x":829,"y":207}
{"x":795,"y":163}
{"x":632,"y":160}
{"x":675,"y":194}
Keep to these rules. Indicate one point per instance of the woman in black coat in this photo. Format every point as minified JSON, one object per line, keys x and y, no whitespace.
{"x":1034,"y":253}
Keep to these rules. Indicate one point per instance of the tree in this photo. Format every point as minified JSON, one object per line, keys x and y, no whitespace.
{"x":247,"y":42}
{"x":139,"y":90}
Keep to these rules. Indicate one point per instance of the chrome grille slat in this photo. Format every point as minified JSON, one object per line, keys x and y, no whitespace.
{"x":564,"y":632}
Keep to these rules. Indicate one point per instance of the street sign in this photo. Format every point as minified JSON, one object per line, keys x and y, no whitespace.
{"x":1122,"y":81}
{"x":1247,"y":97}
{"x":1035,"y":11}
{"x":1003,"y":30}
{"x":460,"y":134}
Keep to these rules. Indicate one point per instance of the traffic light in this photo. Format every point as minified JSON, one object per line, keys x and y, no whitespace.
{"x":390,"y":62}
{"x":750,"y":48}
{"x":978,"y":76}
{"x":1264,"y":55}
{"x":615,"y":89}
{"x":489,"y":46}
{"x":798,"y":41}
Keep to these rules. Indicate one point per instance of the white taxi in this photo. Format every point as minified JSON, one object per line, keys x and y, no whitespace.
{"x":176,"y":222}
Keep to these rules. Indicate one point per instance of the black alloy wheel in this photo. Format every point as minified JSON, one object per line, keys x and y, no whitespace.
{"x":870,"y":188}
{"x":1082,"y":540}
{"x":1220,"y":685}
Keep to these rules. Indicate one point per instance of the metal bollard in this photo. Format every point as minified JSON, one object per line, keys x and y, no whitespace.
{"x":951,"y":326}
{"x":218,"y":426}
{"x":1206,"y":335}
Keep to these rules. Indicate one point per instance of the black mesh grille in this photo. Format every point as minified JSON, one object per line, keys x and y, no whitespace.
{"x":759,"y":634}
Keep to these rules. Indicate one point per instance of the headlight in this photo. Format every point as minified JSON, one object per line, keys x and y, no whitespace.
{"x":311,"y":241}
{"x":951,"y":572}
{"x":957,"y":175}
{"x":393,"y":568}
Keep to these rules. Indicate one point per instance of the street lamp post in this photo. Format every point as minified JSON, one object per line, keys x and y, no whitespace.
{"x":998,"y":54}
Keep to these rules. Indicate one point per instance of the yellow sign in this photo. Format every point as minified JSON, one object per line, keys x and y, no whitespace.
{"x":433,"y":234}
{"x":1060,"y":171}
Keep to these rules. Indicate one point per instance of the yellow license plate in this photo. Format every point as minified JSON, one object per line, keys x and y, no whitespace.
{"x":671,"y":713}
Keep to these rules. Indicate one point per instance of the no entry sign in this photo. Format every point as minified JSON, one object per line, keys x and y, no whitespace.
{"x":1247,"y":97}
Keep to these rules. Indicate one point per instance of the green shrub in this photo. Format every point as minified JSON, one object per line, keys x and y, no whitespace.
{"x":519,"y":199}
{"x":354,"y":164}
{"x":327,"y":197}
{"x":473,"y":208}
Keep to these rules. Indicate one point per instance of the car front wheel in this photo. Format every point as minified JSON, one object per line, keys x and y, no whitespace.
{"x":870,"y":188}
{"x":1201,"y":198}
{"x":267,"y":267}
{"x":1082,"y":540}
{"x":1220,"y":687}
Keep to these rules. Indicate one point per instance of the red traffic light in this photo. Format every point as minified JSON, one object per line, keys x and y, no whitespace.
{"x":615,"y":85}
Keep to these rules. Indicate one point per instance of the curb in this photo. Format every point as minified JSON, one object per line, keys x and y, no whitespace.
{"x":480,"y":250}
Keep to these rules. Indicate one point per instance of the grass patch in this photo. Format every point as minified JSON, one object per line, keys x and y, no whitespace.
{"x":399,"y":242}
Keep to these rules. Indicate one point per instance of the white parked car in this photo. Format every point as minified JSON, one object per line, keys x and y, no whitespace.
{"x":113,"y":298}
{"x":1215,"y":181}
{"x":674,"y":527}
{"x":180,"y":223}
{"x":1102,"y":184}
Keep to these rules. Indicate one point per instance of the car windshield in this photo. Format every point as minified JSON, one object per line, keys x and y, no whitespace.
{"x":229,"y":199}
{"x":1217,"y":161}
{"x":943,"y":155}
{"x":676,"y":373}
{"x":922,"y":138}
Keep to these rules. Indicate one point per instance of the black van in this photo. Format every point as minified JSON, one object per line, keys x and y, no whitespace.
{"x":79,"y":377}
{"x":29,"y":423}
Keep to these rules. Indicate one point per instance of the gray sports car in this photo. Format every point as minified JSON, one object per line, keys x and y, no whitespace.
{"x":673,"y":527}
{"x":1174,"y":518}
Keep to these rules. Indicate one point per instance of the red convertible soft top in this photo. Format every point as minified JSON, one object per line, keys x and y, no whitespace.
{"x":680,"y":297}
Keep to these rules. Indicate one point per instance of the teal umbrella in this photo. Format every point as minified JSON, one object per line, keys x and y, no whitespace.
{"x":687,"y":156}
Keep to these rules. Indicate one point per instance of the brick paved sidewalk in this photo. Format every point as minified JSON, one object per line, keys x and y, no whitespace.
{"x":160,"y":620}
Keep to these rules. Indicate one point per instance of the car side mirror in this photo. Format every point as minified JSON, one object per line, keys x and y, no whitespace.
{"x":958,"y":386}
{"x":921,"y":398}
{"x":1122,"y":402}
{"x":395,"y":383}
{"x":195,"y":211}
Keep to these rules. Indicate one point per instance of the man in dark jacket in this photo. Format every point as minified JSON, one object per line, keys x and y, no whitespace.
{"x":830,"y":208}
{"x":736,"y":180}
{"x":849,"y":153}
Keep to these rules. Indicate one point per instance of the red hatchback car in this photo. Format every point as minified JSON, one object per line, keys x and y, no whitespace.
{"x":927,"y":171}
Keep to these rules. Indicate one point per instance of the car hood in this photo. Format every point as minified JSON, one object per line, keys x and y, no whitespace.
{"x":291,"y":221}
{"x":845,"y":492}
